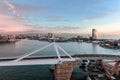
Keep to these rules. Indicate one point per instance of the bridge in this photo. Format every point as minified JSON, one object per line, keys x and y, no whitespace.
{"x":50,"y":60}
{"x":63,"y":64}
{"x":26,"y":60}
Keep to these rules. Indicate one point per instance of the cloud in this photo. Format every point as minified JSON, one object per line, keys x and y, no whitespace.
{"x":31,"y":8}
{"x":57,"y":18}
{"x":3,"y":8}
{"x":27,"y":9}
{"x":57,"y":29}
{"x":10,"y":24}
{"x":11,"y":7}
{"x":93,"y":18}
{"x":96,"y":14}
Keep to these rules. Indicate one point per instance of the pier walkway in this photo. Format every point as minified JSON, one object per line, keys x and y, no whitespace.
{"x":49,"y":60}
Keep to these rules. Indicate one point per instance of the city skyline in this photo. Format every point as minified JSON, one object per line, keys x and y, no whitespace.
{"x":60,"y":16}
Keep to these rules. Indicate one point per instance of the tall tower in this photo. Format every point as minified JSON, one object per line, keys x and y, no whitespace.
{"x":94,"y":34}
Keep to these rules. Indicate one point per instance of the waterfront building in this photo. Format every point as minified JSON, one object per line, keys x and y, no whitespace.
{"x":3,"y":38}
{"x":94,"y":34}
{"x":50,"y":35}
{"x":79,"y":37}
{"x":7,"y":38}
{"x":118,"y":43}
{"x":11,"y":38}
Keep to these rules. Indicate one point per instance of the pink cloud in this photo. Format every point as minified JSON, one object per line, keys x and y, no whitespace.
{"x":31,"y":8}
{"x":10,"y":24}
{"x":11,"y":7}
{"x":57,"y":18}
{"x":57,"y":29}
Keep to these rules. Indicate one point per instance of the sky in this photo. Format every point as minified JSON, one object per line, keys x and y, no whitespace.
{"x":60,"y":16}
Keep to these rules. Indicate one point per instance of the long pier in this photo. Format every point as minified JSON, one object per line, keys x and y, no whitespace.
{"x":80,"y":56}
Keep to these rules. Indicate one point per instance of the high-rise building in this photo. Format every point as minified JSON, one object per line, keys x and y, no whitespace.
{"x":94,"y":34}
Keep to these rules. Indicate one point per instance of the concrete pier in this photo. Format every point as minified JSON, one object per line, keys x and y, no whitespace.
{"x":64,"y":70}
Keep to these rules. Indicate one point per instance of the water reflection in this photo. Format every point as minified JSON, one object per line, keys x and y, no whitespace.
{"x":7,"y":49}
{"x":25,"y":46}
{"x":94,"y":48}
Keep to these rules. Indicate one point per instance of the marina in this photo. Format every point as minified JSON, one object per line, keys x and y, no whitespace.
{"x":52,"y":56}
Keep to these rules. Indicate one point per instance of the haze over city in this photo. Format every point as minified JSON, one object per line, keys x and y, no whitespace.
{"x":60,"y":16}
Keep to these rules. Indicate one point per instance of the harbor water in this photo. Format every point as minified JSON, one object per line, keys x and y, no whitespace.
{"x":42,"y":72}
